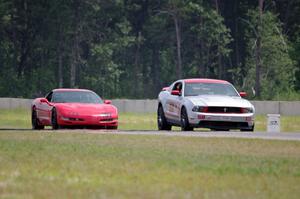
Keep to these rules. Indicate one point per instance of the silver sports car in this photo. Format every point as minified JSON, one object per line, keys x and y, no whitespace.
{"x":204,"y":103}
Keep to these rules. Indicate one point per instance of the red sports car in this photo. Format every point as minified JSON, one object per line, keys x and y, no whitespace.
{"x":73,"y":108}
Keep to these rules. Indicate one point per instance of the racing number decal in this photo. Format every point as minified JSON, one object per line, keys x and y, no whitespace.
{"x":173,"y":108}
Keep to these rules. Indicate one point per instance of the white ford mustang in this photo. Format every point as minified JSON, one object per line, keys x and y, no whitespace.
{"x":204,"y":103}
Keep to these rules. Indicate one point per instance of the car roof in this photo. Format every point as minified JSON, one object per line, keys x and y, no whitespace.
{"x":205,"y":80}
{"x":70,"y":89}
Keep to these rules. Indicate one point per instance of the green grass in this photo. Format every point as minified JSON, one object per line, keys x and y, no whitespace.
{"x":137,"y":121}
{"x":78,"y":164}
{"x":287,"y":123}
{"x":20,"y":118}
{"x":48,"y":164}
{"x":16,"y":118}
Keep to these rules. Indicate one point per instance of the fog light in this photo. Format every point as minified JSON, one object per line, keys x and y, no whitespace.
{"x":248,"y":119}
{"x":65,"y":118}
{"x":201,"y":117}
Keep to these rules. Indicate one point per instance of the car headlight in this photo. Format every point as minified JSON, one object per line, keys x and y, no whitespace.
{"x":247,"y":110}
{"x":200,"y":109}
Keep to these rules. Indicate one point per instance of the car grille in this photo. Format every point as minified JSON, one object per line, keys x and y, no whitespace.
{"x":107,"y":120}
{"x":216,"y":109}
{"x":76,"y":119}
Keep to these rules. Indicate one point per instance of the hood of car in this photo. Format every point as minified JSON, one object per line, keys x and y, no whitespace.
{"x":86,"y":109}
{"x":219,"y":100}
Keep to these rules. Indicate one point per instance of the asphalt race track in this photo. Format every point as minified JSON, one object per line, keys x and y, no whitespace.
{"x":295,"y":136}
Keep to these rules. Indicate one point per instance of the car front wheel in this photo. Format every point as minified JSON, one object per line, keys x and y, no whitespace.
{"x":112,"y":127}
{"x":185,"y":125}
{"x":54,"y":122}
{"x":161,"y":120}
{"x":250,"y":130}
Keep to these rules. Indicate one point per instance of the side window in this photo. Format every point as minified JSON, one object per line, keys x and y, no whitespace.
{"x":177,"y":86}
{"x":49,"y":96}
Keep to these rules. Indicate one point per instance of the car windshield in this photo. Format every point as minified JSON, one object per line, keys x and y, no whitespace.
{"x":76,"y":97}
{"x":194,"y":89}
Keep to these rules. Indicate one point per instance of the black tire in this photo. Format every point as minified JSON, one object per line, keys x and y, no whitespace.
{"x":112,"y":127}
{"x":35,"y":122}
{"x":185,"y":125}
{"x":54,"y":122}
{"x":249,"y":130}
{"x":161,"y":120}
{"x":220,"y":129}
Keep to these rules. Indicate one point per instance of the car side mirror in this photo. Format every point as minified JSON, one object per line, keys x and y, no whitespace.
{"x":44,"y":100}
{"x":107,"y":101}
{"x":175,"y":92}
{"x":243,"y":94}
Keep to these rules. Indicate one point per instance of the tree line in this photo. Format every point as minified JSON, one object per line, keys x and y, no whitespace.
{"x":133,"y":48}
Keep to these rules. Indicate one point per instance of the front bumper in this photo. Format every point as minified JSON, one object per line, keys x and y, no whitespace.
{"x":222,"y":121}
{"x":88,"y":120}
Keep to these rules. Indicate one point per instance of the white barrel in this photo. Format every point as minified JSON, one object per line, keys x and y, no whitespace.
{"x":273,"y":125}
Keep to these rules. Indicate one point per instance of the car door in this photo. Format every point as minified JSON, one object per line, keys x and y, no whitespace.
{"x":174,"y":103}
{"x":44,"y":110}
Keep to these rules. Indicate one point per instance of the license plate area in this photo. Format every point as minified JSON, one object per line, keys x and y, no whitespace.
{"x":226,"y":118}
{"x":219,"y":118}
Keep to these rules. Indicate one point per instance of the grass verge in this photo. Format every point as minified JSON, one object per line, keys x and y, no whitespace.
{"x":85,"y":165}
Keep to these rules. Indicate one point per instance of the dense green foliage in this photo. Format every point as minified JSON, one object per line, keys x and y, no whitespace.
{"x":132,"y":48}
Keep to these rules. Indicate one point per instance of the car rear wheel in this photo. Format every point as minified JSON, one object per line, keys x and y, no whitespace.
{"x":161,"y":120}
{"x":35,"y":122}
{"x":54,"y":122}
{"x":185,"y":125}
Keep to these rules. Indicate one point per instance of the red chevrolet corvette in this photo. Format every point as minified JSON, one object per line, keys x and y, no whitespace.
{"x":73,"y":108}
